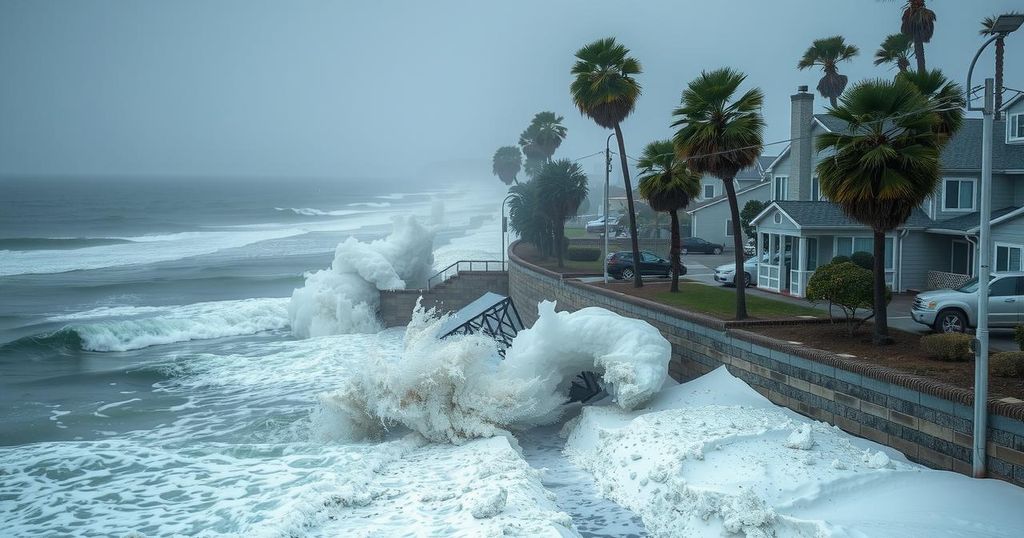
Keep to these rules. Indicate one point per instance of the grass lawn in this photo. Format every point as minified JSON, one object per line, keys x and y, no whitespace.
{"x":721,"y":302}
{"x":575,"y":233}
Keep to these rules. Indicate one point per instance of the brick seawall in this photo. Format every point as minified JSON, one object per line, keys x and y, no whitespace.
{"x":929,"y":421}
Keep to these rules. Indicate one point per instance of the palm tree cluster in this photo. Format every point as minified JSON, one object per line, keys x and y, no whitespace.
{"x":539,"y":208}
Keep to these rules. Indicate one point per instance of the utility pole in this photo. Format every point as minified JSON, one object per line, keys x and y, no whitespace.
{"x":607,"y":178}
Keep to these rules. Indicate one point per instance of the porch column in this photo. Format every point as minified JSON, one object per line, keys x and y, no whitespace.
{"x":801,"y":268}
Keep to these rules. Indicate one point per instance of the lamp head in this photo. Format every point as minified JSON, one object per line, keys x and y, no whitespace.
{"x":1008,"y":23}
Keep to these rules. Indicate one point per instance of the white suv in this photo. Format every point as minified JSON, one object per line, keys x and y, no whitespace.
{"x":956,"y":310}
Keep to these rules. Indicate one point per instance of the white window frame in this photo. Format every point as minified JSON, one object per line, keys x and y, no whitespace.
{"x":970,"y":255}
{"x":974,"y":194}
{"x":784,"y":181}
{"x":995,"y":255}
{"x":704,"y":191}
{"x":816,"y":186}
{"x":1011,"y":124}
{"x":728,"y":228}
{"x":853,"y":243}
{"x":777,"y":217}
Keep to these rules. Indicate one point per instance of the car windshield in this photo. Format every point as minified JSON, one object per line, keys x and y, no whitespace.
{"x":970,"y":286}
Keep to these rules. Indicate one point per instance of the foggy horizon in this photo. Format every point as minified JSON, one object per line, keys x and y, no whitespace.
{"x":357,"y":90}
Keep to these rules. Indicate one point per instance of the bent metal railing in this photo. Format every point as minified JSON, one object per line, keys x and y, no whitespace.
{"x":465,"y":265}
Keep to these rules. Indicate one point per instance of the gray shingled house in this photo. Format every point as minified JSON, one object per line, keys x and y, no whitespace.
{"x":935,"y":248}
{"x":710,"y":216}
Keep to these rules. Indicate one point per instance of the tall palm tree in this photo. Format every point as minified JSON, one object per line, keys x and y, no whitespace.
{"x":986,"y":29}
{"x":544,"y":134}
{"x":527,"y":218}
{"x":895,"y":49}
{"x":605,"y":90}
{"x":719,"y":134}
{"x":561,"y":186}
{"x":506,"y":164}
{"x":919,"y":25}
{"x":668,"y":185}
{"x":945,"y":98}
{"x":827,"y":53}
{"x":885,"y":164}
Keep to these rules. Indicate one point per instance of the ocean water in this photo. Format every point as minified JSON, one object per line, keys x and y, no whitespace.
{"x":149,"y":380}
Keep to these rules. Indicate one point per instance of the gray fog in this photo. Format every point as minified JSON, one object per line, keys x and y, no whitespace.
{"x":393,"y":89}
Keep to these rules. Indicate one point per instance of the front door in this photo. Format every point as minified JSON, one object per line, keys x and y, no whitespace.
{"x":1006,"y":295}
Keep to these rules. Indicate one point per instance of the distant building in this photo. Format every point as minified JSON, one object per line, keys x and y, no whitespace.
{"x":711,"y":218}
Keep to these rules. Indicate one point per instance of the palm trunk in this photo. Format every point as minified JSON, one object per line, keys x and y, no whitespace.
{"x":834,"y":101}
{"x":919,"y":55}
{"x":881,"y":318}
{"x":903,"y":65}
{"x":737,"y":239}
{"x":674,"y":250}
{"x":999,"y":76}
{"x":637,"y":280}
{"x":559,"y":239}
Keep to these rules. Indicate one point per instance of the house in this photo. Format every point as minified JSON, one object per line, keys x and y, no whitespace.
{"x":710,"y":215}
{"x":934,"y":248}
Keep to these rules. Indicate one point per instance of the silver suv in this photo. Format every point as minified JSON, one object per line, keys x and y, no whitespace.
{"x":956,"y":310}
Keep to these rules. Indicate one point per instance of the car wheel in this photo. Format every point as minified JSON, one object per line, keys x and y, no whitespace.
{"x":746,"y":280}
{"x":950,"y":321}
{"x":682,"y":270}
{"x":717,"y":250}
{"x":627,"y":273}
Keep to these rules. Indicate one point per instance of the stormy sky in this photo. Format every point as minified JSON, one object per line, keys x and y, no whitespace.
{"x":362,"y":89}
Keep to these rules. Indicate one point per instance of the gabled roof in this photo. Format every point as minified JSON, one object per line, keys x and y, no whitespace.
{"x":721,"y":198}
{"x":969,"y":223}
{"x":829,"y":215}
{"x":1012,"y":101}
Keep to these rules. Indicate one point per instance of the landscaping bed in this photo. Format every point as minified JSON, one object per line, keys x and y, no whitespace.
{"x":530,"y":255}
{"x":904,"y":354}
{"x":716,"y":301}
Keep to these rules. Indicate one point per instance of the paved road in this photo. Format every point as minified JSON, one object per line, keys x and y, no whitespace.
{"x":700,"y":268}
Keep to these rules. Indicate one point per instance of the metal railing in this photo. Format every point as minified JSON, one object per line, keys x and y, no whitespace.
{"x":465,"y":265}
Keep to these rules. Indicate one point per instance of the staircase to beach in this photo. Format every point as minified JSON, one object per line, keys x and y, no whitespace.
{"x":448,"y":290}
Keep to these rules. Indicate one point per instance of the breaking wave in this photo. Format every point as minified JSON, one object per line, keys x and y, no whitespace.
{"x":312,"y":212}
{"x":153,"y":326}
{"x":344,"y":297}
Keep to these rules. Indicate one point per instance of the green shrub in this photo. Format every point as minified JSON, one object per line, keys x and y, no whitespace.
{"x":950,"y":347}
{"x":846,"y":285}
{"x":1007,"y":364}
{"x":839,"y":259}
{"x":863,"y":259}
{"x":1018,"y":336}
{"x":584,"y":254}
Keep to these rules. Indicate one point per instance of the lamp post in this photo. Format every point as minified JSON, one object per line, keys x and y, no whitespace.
{"x":504,"y":228}
{"x":607,"y":177}
{"x":1003,"y":26}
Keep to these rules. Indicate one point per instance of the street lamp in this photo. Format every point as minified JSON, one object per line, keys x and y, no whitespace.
{"x":607,"y":177}
{"x":504,"y":228}
{"x":1003,"y":26}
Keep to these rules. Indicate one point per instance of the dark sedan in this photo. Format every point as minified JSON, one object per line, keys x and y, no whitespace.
{"x":692,"y":245}
{"x":621,"y":266}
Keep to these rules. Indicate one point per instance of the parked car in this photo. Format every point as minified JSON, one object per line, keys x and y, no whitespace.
{"x":949,"y":310}
{"x":726,"y":273}
{"x":695,"y":244}
{"x":621,"y":266}
{"x":597,"y":226}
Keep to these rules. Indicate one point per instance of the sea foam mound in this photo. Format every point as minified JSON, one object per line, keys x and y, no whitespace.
{"x":459,"y":388}
{"x":344,"y":297}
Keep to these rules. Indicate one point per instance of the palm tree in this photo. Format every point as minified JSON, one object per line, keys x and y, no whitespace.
{"x":720,"y":135}
{"x":827,"y":53}
{"x":986,"y":29}
{"x":668,"y":185}
{"x":605,"y":90}
{"x":507,"y":163}
{"x":895,"y":49}
{"x":540,"y":139}
{"x":885,"y":164}
{"x":526,"y":217}
{"x":561,"y":186}
{"x":945,"y":98}
{"x":919,"y":25}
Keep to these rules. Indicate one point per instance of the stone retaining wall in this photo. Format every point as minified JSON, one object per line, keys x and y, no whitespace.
{"x":929,"y":421}
{"x":396,"y":306}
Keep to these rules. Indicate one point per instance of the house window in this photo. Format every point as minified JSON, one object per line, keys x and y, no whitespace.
{"x":962,"y":258}
{"x":958,"y":194}
{"x":1015,"y":125}
{"x":816,"y":190}
{"x":1008,"y":257}
{"x":846,"y":246}
{"x":709,"y":191}
{"x":728,"y":227}
{"x":777,"y":218}
{"x":780,"y":187}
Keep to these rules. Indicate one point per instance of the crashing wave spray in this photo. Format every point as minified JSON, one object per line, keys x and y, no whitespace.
{"x":458,"y":388}
{"x":344,"y":297}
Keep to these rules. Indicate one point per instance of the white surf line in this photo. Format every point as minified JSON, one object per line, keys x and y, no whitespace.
{"x":99,"y":411}
{"x":575,"y":489}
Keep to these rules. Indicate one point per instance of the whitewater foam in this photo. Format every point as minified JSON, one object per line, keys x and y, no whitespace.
{"x":344,"y":297}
